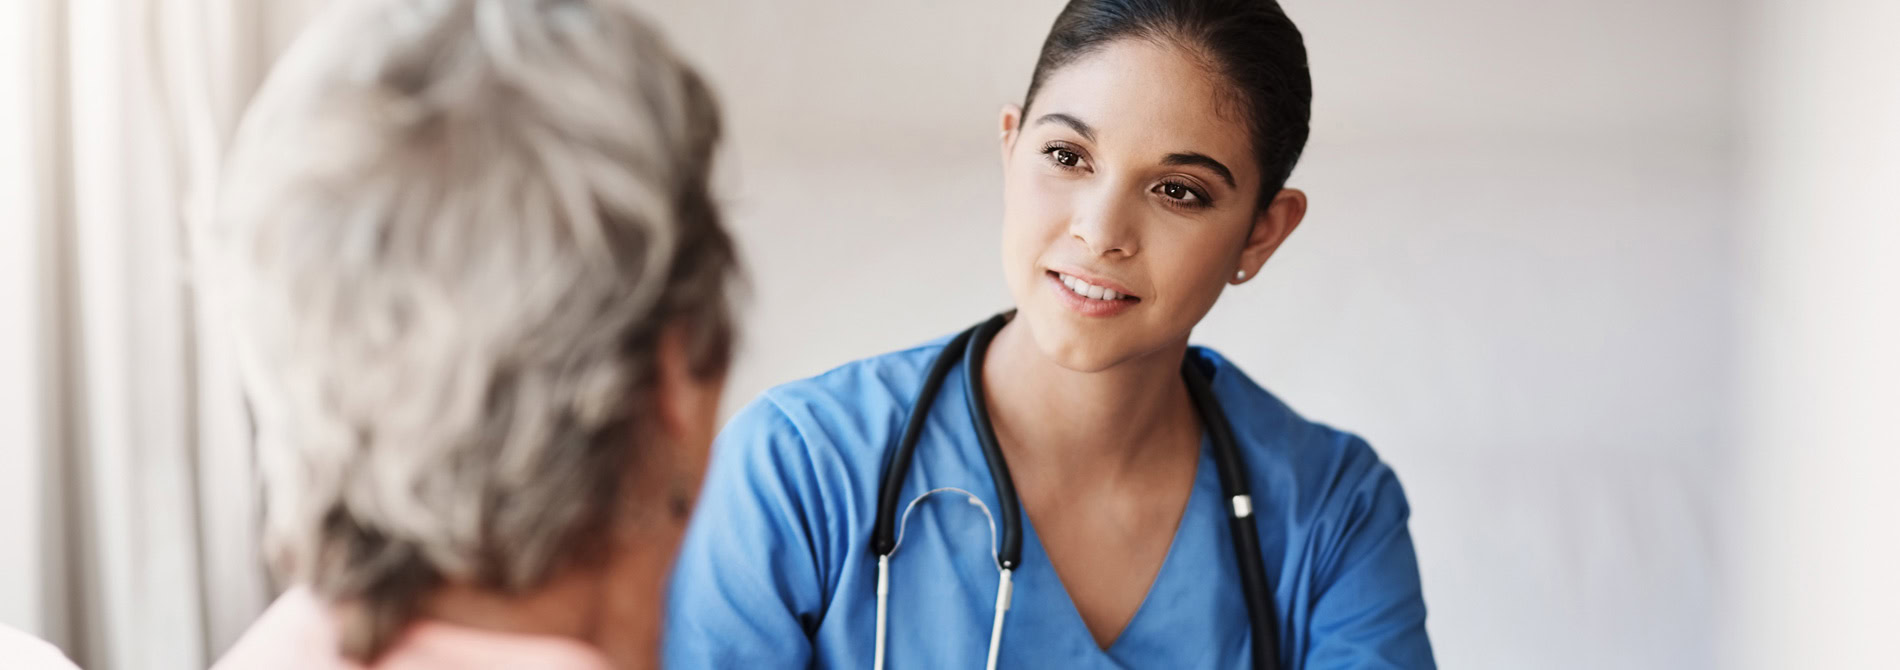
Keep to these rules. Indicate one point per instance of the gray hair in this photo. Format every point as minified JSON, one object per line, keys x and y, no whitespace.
{"x":448,"y":236}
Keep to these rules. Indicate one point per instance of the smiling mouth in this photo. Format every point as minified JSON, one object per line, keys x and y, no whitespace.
{"x":1091,"y":291}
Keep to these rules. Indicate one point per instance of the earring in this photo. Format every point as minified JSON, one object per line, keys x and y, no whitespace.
{"x":1240,"y":276}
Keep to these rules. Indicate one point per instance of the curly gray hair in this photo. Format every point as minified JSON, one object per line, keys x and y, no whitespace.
{"x":448,"y":236}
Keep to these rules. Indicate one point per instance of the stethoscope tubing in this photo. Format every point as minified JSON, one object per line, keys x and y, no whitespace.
{"x":973,"y":344}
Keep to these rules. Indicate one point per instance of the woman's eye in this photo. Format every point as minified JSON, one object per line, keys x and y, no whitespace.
{"x":1066,"y":158}
{"x":1181,"y":193}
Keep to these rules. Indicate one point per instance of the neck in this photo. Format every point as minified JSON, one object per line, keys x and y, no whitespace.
{"x":560,"y":609}
{"x":612,"y":608}
{"x":1096,"y":426}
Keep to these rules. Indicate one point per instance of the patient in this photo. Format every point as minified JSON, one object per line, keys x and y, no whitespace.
{"x":477,"y":290}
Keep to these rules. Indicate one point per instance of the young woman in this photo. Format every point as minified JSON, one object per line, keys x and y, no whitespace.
{"x":1072,"y":485}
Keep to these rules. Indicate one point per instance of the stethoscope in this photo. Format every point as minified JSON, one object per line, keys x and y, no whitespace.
{"x":970,"y":346}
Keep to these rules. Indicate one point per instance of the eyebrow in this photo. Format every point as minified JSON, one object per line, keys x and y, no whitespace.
{"x":1070,"y":121}
{"x":1202,"y":160}
{"x":1184,"y":158}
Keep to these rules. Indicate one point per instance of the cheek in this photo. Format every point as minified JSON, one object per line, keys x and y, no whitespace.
{"x":1197,"y":270}
{"x":1034,"y":217}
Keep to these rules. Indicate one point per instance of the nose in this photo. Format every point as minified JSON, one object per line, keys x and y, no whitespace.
{"x":1107,"y":225}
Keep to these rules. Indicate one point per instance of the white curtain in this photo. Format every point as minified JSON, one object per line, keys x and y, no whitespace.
{"x":127,"y":532}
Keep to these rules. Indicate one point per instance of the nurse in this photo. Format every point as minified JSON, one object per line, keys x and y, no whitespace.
{"x":1143,"y":173}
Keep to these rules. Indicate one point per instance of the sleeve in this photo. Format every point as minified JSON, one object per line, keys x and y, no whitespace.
{"x":747,"y":588}
{"x":1369,"y":610}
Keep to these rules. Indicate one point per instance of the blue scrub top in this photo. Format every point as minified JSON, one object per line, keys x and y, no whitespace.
{"x":777,"y":569}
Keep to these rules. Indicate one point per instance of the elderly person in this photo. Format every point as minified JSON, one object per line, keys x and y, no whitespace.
{"x":477,"y":290}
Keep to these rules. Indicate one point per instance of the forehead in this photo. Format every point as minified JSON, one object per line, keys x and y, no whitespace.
{"x":1152,"y":97}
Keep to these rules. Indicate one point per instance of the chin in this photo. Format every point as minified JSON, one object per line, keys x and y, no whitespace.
{"x":1076,"y":345}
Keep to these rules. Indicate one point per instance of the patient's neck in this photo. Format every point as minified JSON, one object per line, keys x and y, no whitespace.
{"x":566,"y":607}
{"x":614,"y":608}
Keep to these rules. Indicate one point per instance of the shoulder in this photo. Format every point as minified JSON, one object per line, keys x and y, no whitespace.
{"x":810,"y":447}
{"x":850,"y":407}
{"x":295,"y":632}
{"x":789,"y":474}
{"x":25,"y":651}
{"x":1322,"y":470}
{"x":884,"y":383}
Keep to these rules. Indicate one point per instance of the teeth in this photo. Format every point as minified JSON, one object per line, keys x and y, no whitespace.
{"x":1088,"y":290}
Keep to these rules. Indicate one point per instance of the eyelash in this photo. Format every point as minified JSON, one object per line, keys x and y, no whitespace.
{"x":1049,"y":154}
{"x":1201,"y":201}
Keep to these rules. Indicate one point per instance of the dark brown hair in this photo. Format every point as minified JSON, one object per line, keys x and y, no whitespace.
{"x":1251,"y":43}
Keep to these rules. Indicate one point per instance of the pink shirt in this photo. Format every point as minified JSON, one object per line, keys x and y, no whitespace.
{"x":20,"y":651}
{"x":296,"y":633}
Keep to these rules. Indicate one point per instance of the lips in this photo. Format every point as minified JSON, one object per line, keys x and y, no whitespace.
{"x":1085,"y":283}
{"x":1092,"y":298}
{"x":1091,"y":291}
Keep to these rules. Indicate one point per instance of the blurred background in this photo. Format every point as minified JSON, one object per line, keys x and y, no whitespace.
{"x":1611,"y":284}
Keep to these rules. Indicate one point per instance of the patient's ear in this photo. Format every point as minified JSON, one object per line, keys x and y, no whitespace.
{"x":686,"y":404}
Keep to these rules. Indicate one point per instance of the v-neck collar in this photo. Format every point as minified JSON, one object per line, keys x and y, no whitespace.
{"x":1036,"y":562}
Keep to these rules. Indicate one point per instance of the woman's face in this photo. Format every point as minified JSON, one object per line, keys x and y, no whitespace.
{"x":1129,"y":202}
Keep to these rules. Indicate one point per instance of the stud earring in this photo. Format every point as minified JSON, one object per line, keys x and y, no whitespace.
{"x":1240,"y":276}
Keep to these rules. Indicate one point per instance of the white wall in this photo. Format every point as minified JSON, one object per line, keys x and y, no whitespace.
{"x":1516,"y":278}
{"x":1816,"y":583}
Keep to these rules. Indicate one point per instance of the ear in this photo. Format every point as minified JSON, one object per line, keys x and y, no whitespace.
{"x":1011,"y":122}
{"x":686,"y":405}
{"x":1270,"y":228}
